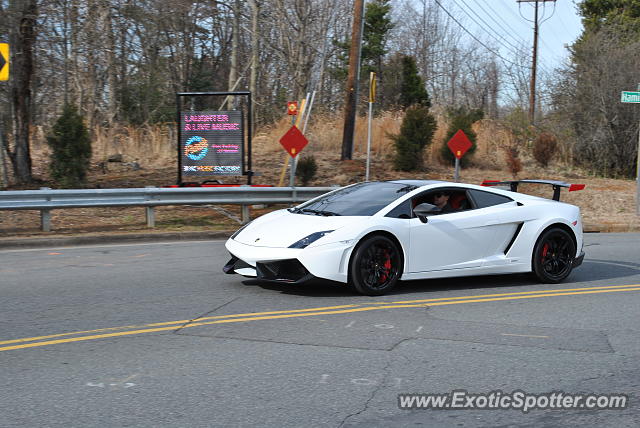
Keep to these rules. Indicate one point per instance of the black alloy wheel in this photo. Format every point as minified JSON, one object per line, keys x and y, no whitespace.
{"x":376,"y":266}
{"x":553,"y":256}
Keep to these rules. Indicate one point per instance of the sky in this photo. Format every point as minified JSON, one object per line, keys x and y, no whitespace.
{"x":503,"y":24}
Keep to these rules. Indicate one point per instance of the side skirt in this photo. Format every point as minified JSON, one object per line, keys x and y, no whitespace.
{"x":487,"y":270}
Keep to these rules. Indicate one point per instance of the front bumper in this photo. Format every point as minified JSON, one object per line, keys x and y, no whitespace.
{"x":290,"y":271}
{"x":328,"y":261}
{"x":578,"y":260}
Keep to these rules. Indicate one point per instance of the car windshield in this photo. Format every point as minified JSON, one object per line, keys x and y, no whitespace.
{"x":362,"y":199}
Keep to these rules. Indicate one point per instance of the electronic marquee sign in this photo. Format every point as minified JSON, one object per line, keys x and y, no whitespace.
{"x":211,"y":143}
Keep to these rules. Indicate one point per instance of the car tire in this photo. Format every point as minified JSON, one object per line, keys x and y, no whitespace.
{"x":553,"y":255}
{"x":376,"y":266}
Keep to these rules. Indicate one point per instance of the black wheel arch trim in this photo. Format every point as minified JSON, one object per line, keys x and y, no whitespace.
{"x":386,"y":234}
{"x":559,"y":226}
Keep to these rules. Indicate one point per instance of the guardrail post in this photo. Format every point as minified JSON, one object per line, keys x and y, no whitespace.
{"x":246,"y":217}
{"x":45,"y":215}
{"x":151,"y":216}
{"x":150,"y":211}
{"x":45,"y":220}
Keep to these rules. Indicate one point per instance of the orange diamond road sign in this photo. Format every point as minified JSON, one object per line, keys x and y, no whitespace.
{"x":292,"y":108}
{"x":294,"y":141}
{"x":459,"y":144}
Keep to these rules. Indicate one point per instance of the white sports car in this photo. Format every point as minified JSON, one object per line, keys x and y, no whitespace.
{"x":372,"y":234}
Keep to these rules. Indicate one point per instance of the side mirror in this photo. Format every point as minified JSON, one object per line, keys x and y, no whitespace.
{"x":422,"y":211}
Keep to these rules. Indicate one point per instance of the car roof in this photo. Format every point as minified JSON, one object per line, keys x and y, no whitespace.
{"x":418,"y":183}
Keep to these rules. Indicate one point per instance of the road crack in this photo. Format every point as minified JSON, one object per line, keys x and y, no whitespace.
{"x":386,"y":370}
{"x":282,"y":342}
{"x":204,"y":315}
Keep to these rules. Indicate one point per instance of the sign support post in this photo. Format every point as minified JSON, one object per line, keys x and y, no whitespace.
{"x":638,"y":170}
{"x":292,"y":159}
{"x":634,"y":97}
{"x":638,"y":175}
{"x":456,"y":173}
{"x":372,"y":97}
{"x":4,"y":75}
{"x":3,"y":166}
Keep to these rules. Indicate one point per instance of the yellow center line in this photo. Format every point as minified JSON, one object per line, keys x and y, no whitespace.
{"x":330,"y":310}
{"x":532,"y":297}
{"x":30,"y":339}
{"x":516,"y":294}
{"x":158,"y":329}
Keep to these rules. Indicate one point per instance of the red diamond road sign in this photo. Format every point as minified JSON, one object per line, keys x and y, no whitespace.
{"x":293,"y":141}
{"x":459,"y":144}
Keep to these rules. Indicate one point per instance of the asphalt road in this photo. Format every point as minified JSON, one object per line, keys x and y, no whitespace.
{"x":155,"y":335}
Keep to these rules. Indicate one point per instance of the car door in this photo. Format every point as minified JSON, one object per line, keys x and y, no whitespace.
{"x":504,"y":229}
{"x":454,"y":240}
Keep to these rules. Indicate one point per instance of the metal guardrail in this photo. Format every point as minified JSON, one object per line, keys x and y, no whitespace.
{"x":47,"y":199}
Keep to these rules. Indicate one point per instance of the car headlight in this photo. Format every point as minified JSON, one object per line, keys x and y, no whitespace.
{"x":237,"y":232}
{"x":308,"y":240}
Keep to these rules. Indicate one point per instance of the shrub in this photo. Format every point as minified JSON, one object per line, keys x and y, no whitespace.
{"x":514,"y":165}
{"x":306,"y":169}
{"x":416,"y":132}
{"x":71,"y":149}
{"x":544,"y":147}
{"x":461,"y":118}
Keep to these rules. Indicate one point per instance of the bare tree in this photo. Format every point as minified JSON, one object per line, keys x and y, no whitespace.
{"x":604,"y":64}
{"x":23,"y":40}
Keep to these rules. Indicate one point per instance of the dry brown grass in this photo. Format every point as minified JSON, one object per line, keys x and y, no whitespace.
{"x":149,"y":145}
{"x":325,"y":135}
{"x":153,"y":146}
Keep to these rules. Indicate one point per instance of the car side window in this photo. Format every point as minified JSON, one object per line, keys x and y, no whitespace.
{"x":401,"y":211}
{"x":488,"y":199}
{"x":456,"y":199}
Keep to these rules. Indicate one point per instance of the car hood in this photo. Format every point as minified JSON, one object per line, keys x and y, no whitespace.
{"x":282,"y":228}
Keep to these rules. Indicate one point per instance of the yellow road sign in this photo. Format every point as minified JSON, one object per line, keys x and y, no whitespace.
{"x":372,"y":87}
{"x":4,"y":61}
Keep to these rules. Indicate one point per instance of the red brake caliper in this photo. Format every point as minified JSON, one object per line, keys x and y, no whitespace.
{"x":545,"y":250}
{"x":387,"y":267}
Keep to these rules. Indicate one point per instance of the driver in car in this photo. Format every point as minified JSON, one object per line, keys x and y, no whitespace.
{"x":441,"y":200}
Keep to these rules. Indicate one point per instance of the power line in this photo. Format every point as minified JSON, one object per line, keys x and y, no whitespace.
{"x":485,"y":22}
{"x":509,"y":31}
{"x":509,"y":10}
{"x":493,"y":18}
{"x":475,"y":38}
{"x":516,"y":49}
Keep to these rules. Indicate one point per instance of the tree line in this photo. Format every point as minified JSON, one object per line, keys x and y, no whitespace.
{"x":122,"y":61}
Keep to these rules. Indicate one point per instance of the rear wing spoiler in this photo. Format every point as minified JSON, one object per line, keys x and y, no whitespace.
{"x":557,"y":185}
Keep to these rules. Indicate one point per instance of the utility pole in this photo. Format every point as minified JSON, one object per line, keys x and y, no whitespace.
{"x":534,"y":65}
{"x":235,"y":42}
{"x":353,"y":80}
{"x":255,"y":46}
